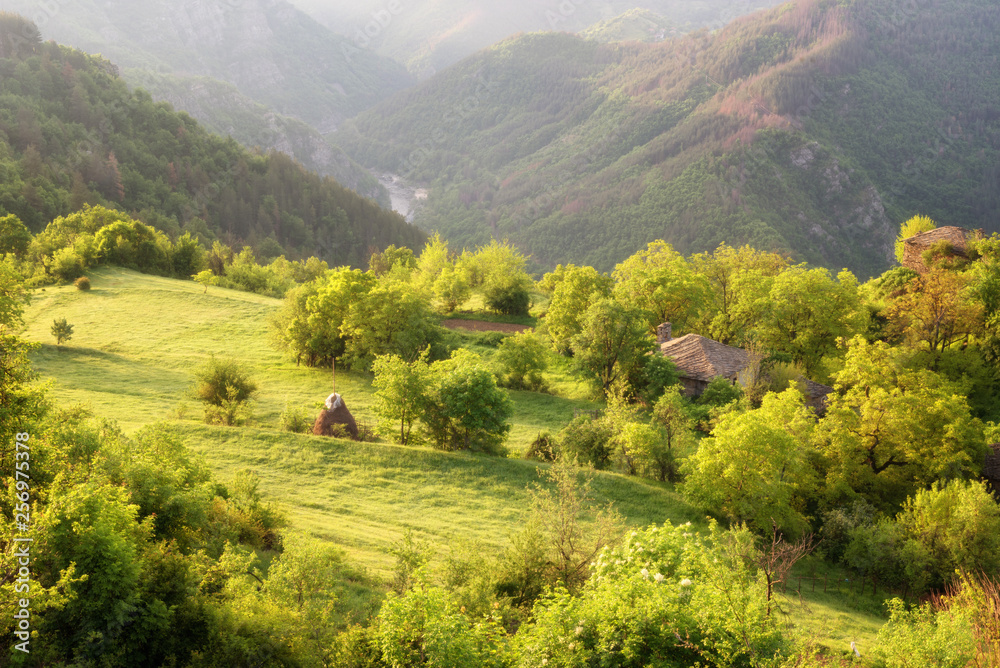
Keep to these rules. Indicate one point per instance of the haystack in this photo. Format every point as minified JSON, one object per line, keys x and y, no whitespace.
{"x":334,"y":414}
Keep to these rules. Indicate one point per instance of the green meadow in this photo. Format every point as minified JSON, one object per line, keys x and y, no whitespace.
{"x":137,"y":340}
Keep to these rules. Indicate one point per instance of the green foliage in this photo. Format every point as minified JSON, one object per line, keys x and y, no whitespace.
{"x":573,"y":290}
{"x":61,"y":330}
{"x":666,"y":596}
{"x":586,"y":441}
{"x":661,"y":282}
{"x":925,"y":637}
{"x":400,"y":394}
{"x":352,"y":316}
{"x":914,"y":225}
{"x":14,"y":236}
{"x":523,"y":358}
{"x":754,"y":468}
{"x":82,"y":283}
{"x":77,"y":135}
{"x":225,"y":386}
{"x":543,"y":449}
{"x":295,"y":420}
{"x":957,"y":525}
{"x":465,"y":409}
{"x":612,"y":343}
{"x":892,"y":430}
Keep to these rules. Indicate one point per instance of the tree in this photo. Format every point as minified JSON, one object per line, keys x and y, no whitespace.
{"x":558,"y":510}
{"x":936,"y":311}
{"x":956,"y":524}
{"x":671,"y":415}
{"x":660,"y":281}
{"x":738,"y":282}
{"x":576,"y":289}
{"x":391,"y":318}
{"x":523,"y":357}
{"x":401,"y":392}
{"x":890,"y":429}
{"x":806,"y":312}
{"x":613,"y":341}
{"x":754,"y":468}
{"x":451,"y":288}
{"x":467,"y":410}
{"x":62,"y":330}
{"x":913,"y":226}
{"x":14,"y":236}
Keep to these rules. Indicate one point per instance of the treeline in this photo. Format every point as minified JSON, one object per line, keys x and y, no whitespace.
{"x":72,"y":134}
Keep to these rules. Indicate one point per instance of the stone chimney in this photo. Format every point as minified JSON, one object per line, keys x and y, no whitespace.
{"x":663,"y":333}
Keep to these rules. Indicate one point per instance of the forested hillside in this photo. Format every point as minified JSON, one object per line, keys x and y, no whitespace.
{"x":221,"y":108}
{"x":813,"y":128}
{"x":71,"y":133}
{"x":261,"y":72}
{"x":428,"y":37}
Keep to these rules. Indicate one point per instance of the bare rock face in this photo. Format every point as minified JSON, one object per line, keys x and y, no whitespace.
{"x":334,"y":415}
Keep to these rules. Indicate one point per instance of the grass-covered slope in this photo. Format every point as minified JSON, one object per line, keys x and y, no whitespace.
{"x":72,"y":133}
{"x":137,"y":340}
{"x":813,"y":128}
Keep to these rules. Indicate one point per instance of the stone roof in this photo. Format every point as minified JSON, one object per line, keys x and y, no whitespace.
{"x":704,"y":359}
{"x":958,"y":237}
{"x":991,"y":468}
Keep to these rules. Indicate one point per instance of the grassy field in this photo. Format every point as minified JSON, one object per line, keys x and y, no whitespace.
{"x":137,"y":340}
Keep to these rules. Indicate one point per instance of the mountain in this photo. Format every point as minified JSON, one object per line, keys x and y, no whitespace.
{"x":635,"y":25}
{"x":431,"y":36}
{"x":221,"y":108}
{"x":813,"y":128}
{"x":259,"y":71}
{"x":272,"y":52}
{"x":71,"y":132}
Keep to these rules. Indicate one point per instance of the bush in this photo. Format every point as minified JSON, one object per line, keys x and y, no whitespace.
{"x":508,"y":299}
{"x":543,"y":448}
{"x":62,"y":330}
{"x":523,"y":357}
{"x":227,"y":389}
{"x":82,"y":283}
{"x":295,"y":420}
{"x":587,"y":441}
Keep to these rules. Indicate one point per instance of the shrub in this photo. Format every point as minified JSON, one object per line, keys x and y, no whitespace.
{"x":587,"y":441}
{"x":82,"y":283}
{"x":227,"y":389}
{"x":543,"y":448}
{"x":295,"y":420}
{"x":62,"y":330}
{"x":508,"y":298}
{"x":523,"y":358}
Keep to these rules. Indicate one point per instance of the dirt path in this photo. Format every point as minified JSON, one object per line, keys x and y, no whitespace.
{"x":483,"y":326}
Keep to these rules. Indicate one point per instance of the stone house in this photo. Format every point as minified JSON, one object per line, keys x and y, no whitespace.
{"x":958,"y":237}
{"x":700,"y":360}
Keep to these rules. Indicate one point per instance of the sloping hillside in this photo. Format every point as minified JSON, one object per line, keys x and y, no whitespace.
{"x":269,"y":50}
{"x":138,"y":339}
{"x":221,"y":108}
{"x":72,"y":133}
{"x":431,"y":36}
{"x":813,"y":128}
